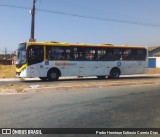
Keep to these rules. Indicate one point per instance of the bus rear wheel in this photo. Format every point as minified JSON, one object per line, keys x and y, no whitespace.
{"x":53,"y":75}
{"x":114,"y":74}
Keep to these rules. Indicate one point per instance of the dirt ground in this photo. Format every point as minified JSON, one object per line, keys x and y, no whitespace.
{"x":153,"y":71}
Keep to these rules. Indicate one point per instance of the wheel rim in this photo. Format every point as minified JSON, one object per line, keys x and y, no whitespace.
{"x":53,"y":75}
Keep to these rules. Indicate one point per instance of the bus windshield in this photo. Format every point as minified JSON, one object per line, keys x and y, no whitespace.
{"x":21,"y":54}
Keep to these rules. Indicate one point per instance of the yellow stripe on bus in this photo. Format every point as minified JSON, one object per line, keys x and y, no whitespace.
{"x":20,"y":69}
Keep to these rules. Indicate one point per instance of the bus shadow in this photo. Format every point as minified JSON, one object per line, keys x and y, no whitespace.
{"x":93,"y":79}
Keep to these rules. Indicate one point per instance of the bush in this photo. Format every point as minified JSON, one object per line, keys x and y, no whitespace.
{"x":7,"y":71}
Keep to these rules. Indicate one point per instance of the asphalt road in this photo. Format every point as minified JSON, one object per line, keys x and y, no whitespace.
{"x":135,"y":106}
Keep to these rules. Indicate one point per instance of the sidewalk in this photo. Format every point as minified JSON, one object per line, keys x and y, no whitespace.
{"x":127,"y":80}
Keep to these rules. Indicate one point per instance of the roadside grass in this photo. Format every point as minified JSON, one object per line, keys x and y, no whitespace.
{"x":7,"y":71}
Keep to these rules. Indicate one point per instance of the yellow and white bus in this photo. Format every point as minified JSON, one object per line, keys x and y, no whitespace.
{"x":51,"y":60}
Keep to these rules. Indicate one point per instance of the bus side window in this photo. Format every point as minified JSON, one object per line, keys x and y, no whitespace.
{"x":128,"y":54}
{"x":55,"y":53}
{"x":117,"y":54}
{"x":102,"y":54}
{"x":90,"y":54}
{"x":78,"y":53}
{"x":141,"y":54}
{"x":109,"y":54}
{"x":68,"y":54}
{"x":59,"y":53}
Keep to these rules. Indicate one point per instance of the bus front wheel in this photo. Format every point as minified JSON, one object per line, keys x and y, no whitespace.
{"x":114,"y":74}
{"x":53,"y":75}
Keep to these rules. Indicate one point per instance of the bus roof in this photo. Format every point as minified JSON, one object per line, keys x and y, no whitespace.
{"x":53,"y":43}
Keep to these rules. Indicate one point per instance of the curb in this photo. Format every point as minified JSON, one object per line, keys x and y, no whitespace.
{"x":94,"y":85}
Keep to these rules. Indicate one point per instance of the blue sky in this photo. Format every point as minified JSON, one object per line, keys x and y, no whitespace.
{"x":129,"y":22}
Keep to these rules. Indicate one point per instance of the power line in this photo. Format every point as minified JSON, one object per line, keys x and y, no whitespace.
{"x":13,"y":6}
{"x":84,"y":16}
{"x":100,"y":18}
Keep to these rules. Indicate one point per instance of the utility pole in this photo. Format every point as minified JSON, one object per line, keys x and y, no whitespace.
{"x":5,"y":52}
{"x":32,"y":39}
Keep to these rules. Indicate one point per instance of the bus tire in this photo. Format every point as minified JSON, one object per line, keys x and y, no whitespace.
{"x":114,"y":73}
{"x":101,"y":77}
{"x":53,"y":75}
{"x":43,"y":78}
